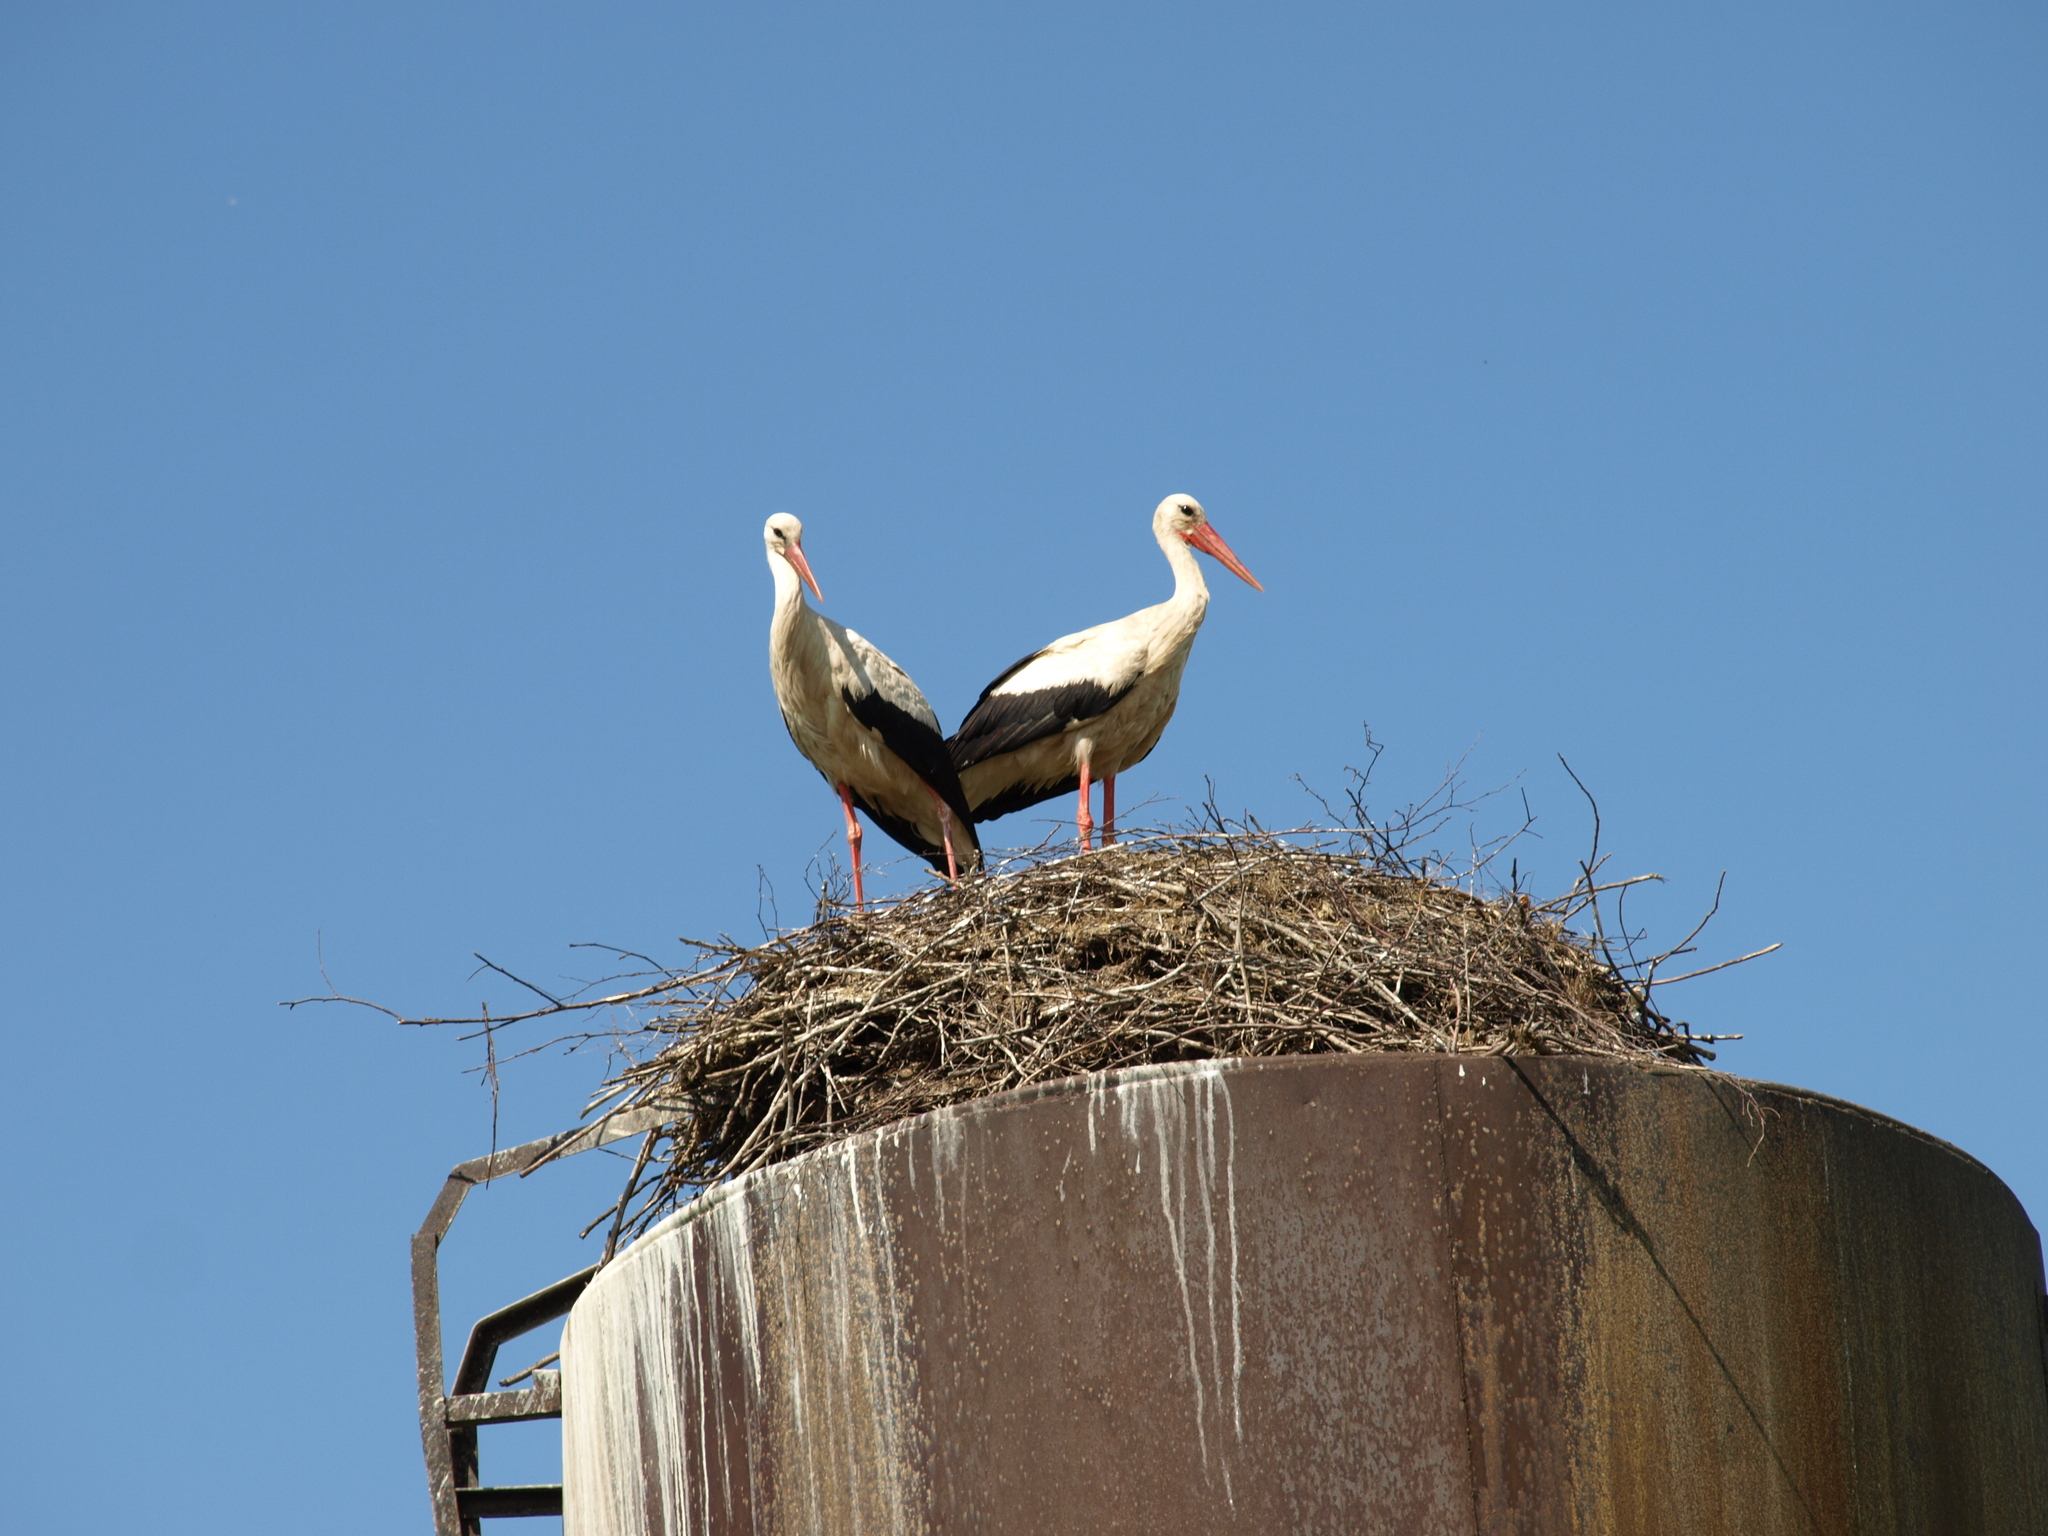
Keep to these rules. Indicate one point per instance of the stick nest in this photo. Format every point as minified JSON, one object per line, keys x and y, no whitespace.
{"x":1169,"y":947}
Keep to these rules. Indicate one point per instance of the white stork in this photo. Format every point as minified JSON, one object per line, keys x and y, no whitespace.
{"x":1095,"y":703}
{"x":862,"y":722}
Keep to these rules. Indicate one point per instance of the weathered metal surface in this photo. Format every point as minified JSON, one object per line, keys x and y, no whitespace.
{"x":435,"y":1440}
{"x":543,"y":1400}
{"x":523,"y":1316}
{"x":1405,"y":1294}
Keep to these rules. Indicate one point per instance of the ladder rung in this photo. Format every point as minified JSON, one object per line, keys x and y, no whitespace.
{"x":540,"y":1401}
{"x":498,"y":1503}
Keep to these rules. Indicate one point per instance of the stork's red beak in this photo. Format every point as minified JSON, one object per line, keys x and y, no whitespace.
{"x":1210,"y":542}
{"x":795,"y":556}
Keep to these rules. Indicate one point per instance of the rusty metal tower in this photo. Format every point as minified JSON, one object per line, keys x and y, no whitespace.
{"x":1360,"y":1293}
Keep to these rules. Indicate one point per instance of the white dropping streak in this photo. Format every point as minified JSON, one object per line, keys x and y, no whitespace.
{"x":1230,"y":1186}
{"x":1205,"y":1170}
{"x":1180,"y":1258}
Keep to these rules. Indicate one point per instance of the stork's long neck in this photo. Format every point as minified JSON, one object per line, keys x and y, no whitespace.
{"x":787,"y":631}
{"x":1172,"y":623}
{"x":1189,"y":590}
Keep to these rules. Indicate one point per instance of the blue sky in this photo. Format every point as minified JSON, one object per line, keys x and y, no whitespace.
{"x":391,"y":397}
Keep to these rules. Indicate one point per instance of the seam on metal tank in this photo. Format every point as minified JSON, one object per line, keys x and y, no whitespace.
{"x":1611,"y":1199}
{"x":1446,"y":1197}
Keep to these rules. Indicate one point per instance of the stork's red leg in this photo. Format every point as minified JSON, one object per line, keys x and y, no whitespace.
{"x":946,"y":831}
{"x":1108,"y":809}
{"x":860,"y":895}
{"x":1084,"y":824}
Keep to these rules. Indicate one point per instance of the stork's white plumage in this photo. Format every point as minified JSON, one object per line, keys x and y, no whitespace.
{"x":1092,"y":704}
{"x":862,"y":722}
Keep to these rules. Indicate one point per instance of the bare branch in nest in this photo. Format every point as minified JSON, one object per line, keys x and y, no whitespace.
{"x":659,"y":989}
{"x":1708,"y":970}
{"x":491,"y":1073}
{"x":358,"y":1002}
{"x":492,"y":965}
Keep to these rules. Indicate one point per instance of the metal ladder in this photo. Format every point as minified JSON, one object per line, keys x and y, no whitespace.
{"x":449,"y":1420}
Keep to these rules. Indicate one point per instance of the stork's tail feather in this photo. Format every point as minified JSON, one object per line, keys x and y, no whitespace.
{"x":966,"y":846}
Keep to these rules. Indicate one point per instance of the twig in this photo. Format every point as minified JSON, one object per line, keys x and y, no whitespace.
{"x":1665,"y":981}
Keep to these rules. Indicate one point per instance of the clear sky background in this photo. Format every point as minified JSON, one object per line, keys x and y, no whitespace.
{"x":391,"y":397}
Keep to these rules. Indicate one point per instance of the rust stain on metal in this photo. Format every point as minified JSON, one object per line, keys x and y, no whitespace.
{"x":1414,"y":1294}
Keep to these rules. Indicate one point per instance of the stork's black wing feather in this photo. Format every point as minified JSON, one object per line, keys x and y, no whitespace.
{"x":1003,"y":722}
{"x":1017,"y":796}
{"x":922,"y":748}
{"x":906,"y":833}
